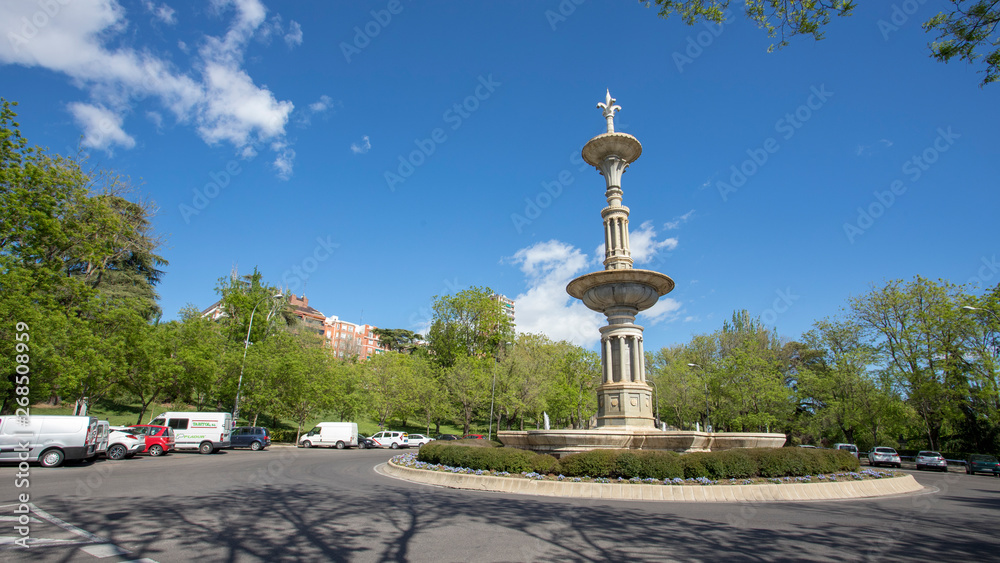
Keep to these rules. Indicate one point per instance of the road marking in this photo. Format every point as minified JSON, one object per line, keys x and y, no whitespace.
{"x":92,"y":544}
{"x":103,"y":550}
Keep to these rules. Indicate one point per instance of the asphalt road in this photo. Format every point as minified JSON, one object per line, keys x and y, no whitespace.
{"x":288,"y":504}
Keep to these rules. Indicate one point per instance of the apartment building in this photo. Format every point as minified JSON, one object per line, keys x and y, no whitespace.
{"x":507,"y":304}
{"x":349,"y":340}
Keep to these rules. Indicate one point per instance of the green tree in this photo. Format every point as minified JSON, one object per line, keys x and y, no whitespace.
{"x":964,"y":32}
{"x":968,"y":31}
{"x":918,"y":330}
{"x":469,"y":323}
{"x":468,"y":384}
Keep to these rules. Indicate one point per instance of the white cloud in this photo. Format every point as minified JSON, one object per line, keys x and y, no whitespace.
{"x":666,"y":309}
{"x":643,"y":244}
{"x":102,"y":128}
{"x":156,"y":118}
{"x":214,"y":93}
{"x":545,"y":307}
{"x":678,"y":221}
{"x":294,"y":35}
{"x":283,"y":163}
{"x":364,"y":147}
{"x":162,"y":12}
{"x":322,"y":104}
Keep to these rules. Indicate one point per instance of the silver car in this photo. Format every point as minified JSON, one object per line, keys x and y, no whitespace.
{"x":931,"y":460}
{"x":883,"y":456}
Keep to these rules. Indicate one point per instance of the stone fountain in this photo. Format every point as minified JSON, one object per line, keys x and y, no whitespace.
{"x":624,"y":400}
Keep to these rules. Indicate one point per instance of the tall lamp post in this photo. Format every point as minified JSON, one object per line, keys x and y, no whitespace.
{"x":246,"y":345}
{"x":708,"y":412}
{"x":971,"y":308}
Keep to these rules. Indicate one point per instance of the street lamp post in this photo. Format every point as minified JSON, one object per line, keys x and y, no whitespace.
{"x":708,"y":412}
{"x":971,"y":308}
{"x":246,"y":345}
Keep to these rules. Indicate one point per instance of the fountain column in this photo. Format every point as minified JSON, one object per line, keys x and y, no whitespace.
{"x":620,"y":292}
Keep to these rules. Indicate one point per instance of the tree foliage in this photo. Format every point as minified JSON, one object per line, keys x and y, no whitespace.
{"x":968,"y":31}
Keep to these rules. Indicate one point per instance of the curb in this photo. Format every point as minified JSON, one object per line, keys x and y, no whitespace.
{"x":680,"y":493}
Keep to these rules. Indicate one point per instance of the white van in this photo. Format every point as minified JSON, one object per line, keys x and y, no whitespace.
{"x":339,"y":435}
{"x":49,"y":439}
{"x":206,"y":432}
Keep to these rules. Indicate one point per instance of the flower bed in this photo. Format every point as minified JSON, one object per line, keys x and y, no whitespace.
{"x":410,"y":460}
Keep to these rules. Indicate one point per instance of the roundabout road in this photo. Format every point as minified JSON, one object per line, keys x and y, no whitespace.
{"x":288,"y":504}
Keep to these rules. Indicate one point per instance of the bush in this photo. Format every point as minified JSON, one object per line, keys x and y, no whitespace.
{"x":544,"y":463}
{"x":595,"y":463}
{"x":729,"y":464}
{"x":478,"y":456}
{"x":282,"y":435}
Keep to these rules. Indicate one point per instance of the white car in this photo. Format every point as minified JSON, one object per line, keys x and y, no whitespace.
{"x":391,"y":439}
{"x":123,"y":444}
{"x":417,"y":440}
{"x":883,"y":456}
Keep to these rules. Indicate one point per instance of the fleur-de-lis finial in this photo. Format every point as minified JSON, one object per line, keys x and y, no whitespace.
{"x":609,"y":107}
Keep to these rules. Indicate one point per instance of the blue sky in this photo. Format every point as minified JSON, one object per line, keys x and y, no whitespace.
{"x":269,"y":136}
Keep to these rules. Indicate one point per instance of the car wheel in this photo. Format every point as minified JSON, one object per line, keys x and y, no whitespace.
{"x":255,"y":446}
{"x":52,"y":458}
{"x":340,"y":445}
{"x":155,"y":450}
{"x":117,"y":451}
{"x":307,"y":444}
{"x":362,"y":446}
{"x":206,"y":448}
{"x":394,"y":446}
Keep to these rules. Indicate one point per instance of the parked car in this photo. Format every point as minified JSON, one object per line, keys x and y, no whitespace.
{"x":931,"y":460}
{"x":364,"y":442}
{"x":473,"y":437}
{"x":123,"y":445}
{"x":159,"y":440}
{"x":980,"y":463}
{"x":47,"y":439}
{"x":417,"y":440}
{"x":253,"y":437}
{"x":848,"y":447}
{"x":446,"y":437}
{"x":883,"y":456}
{"x":391,"y":439}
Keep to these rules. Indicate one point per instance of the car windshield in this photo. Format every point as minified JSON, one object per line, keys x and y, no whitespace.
{"x":885,"y":451}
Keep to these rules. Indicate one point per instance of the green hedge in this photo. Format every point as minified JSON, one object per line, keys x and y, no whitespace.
{"x":729,"y":464}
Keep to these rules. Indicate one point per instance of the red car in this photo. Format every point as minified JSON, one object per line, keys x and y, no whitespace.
{"x":473,"y":437}
{"x":159,"y":439}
